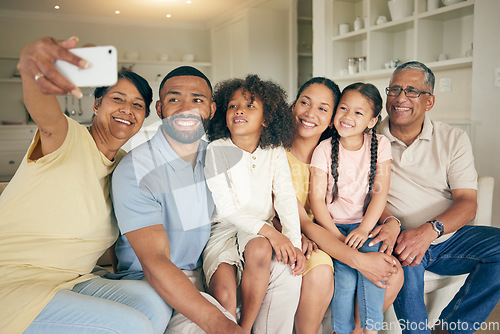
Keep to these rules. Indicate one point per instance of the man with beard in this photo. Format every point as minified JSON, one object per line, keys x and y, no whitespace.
{"x":163,"y":206}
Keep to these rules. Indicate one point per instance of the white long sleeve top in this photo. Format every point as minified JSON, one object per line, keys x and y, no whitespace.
{"x":248,"y":188}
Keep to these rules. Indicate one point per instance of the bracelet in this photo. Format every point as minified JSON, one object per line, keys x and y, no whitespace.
{"x":385,"y":220}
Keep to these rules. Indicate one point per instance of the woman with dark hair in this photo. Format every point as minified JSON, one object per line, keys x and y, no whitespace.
{"x":313,"y":110}
{"x":139,"y":82}
{"x":55,"y":214}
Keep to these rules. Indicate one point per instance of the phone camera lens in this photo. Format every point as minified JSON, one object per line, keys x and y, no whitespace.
{"x":109,"y":51}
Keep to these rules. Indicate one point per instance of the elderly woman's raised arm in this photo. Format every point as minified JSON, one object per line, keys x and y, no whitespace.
{"x":41,"y":82}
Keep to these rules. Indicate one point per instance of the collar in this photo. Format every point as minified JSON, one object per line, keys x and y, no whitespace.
{"x":256,"y":152}
{"x":425,"y":134}
{"x":427,"y":129}
{"x":172,"y":158}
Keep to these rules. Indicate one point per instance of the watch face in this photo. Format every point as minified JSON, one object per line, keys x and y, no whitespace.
{"x":439,"y":227}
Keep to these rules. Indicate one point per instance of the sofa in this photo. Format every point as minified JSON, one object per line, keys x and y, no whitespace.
{"x":439,"y":290}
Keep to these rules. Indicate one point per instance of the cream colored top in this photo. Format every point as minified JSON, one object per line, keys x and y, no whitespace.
{"x":248,"y":187}
{"x":424,"y":173}
{"x":55,"y":223}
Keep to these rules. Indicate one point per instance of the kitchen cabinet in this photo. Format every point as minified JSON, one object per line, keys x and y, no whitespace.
{"x":441,"y":38}
{"x":13,"y":110}
{"x":14,"y":142}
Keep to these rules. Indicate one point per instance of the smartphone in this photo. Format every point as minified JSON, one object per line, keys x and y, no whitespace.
{"x":102,"y":69}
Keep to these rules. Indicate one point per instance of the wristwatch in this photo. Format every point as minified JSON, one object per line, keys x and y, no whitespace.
{"x":437,"y":226}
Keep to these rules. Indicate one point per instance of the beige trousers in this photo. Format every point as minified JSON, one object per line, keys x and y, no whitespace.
{"x":276,"y":314}
{"x":179,"y":324}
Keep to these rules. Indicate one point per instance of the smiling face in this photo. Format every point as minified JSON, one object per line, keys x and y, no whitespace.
{"x":244,"y":118}
{"x":185,"y":106}
{"x":404,"y":111}
{"x":313,"y":111}
{"x":121,"y":111}
{"x":354,"y":115}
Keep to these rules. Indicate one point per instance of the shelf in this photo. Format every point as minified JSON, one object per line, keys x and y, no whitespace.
{"x":352,"y":36}
{"x":450,"y":64}
{"x":305,"y":54}
{"x":424,"y":36}
{"x":304,"y":18}
{"x":450,"y":12}
{"x":394,"y":26}
{"x":10,"y":80}
{"x":162,"y":63}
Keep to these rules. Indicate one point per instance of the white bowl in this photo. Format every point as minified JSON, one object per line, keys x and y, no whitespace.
{"x":400,"y":8}
{"x":451,"y":2}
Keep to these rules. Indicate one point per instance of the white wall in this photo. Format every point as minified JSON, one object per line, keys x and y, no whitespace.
{"x":257,"y":41}
{"x":485,"y":97}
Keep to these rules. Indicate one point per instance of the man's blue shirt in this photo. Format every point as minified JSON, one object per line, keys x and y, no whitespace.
{"x":152,"y":185}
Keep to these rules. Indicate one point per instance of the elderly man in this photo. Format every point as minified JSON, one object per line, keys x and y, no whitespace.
{"x":433,"y":194}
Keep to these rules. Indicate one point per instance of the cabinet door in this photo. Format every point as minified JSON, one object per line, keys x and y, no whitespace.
{"x":9,"y":162}
{"x":13,"y":134}
{"x":221,"y":54}
{"x":230,"y":49}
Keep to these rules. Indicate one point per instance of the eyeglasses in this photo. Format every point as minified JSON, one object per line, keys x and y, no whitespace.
{"x":409,"y":92}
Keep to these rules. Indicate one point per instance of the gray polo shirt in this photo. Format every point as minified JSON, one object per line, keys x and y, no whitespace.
{"x":424,"y":173}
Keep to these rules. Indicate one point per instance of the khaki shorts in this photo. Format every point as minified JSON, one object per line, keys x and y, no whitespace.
{"x":226,"y":245}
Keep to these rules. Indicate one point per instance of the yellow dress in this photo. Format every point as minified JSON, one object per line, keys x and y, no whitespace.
{"x":55,"y":222}
{"x":301,"y":173}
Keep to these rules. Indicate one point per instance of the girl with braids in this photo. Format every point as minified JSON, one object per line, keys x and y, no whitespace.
{"x":350,"y":178}
{"x":247,"y":172}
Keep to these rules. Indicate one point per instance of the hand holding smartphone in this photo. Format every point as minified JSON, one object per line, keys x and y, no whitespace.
{"x":102,"y":69}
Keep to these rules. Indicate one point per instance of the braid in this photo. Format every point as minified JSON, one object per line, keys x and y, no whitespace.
{"x":371,"y":93}
{"x":335,"y":164}
{"x":373,"y":168}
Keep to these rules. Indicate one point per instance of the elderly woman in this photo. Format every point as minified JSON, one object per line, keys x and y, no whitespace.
{"x":55,"y":214}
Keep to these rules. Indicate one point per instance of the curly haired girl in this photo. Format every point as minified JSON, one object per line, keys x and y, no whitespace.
{"x":247,"y":172}
{"x":350,"y":178}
